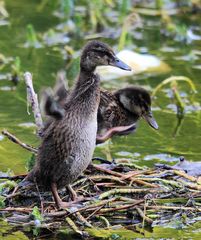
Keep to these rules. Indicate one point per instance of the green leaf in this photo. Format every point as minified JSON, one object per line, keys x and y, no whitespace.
{"x":36,"y":213}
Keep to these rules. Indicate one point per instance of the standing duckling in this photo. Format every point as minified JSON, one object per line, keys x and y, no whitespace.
{"x":119,"y":111}
{"x":68,"y":143}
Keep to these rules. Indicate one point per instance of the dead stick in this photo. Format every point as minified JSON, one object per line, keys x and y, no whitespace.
{"x":32,"y":99}
{"x":55,"y":214}
{"x":101,"y":177}
{"x":73,"y":226}
{"x":40,"y":197}
{"x":133,"y":174}
{"x":143,"y":216}
{"x":123,"y":175}
{"x":17,"y":141}
{"x":121,"y":207}
{"x":15,"y":177}
{"x":95,"y":205}
{"x":127,"y":191}
{"x":83,"y":220}
{"x":190,"y":185}
{"x":175,"y":208}
{"x":17,"y":209}
{"x":97,"y":210}
{"x":107,"y":171}
{"x":183,"y":174}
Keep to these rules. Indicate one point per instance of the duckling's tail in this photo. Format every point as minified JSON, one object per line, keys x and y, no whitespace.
{"x":50,"y":106}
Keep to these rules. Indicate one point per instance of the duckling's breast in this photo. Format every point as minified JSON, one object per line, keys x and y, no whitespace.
{"x":85,"y":145}
{"x":71,"y":151}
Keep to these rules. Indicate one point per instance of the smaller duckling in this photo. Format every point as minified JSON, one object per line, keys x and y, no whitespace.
{"x":119,"y":111}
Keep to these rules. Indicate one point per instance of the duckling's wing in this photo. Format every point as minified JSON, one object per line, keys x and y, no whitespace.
{"x":108,"y":111}
{"x":107,"y":100}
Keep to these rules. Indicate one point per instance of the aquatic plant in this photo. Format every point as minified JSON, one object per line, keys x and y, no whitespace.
{"x":16,"y":70}
{"x":131,"y":20}
{"x":174,"y":83}
{"x":31,"y":37}
{"x":37,"y":220}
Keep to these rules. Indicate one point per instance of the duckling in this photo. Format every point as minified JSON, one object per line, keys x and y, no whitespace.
{"x":68,"y":143}
{"x":119,"y":111}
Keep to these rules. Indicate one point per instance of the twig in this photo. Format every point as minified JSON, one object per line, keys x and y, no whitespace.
{"x":183,"y":174}
{"x":17,"y":209}
{"x":15,"y":177}
{"x":174,"y":208}
{"x":102,"y":160}
{"x":55,"y":214}
{"x":127,"y":190}
{"x":132,"y":174}
{"x":83,"y":220}
{"x":123,"y":176}
{"x":107,"y":171}
{"x":143,"y":216}
{"x":190,"y":185}
{"x":92,"y":214}
{"x":121,"y":207}
{"x":104,"y":219}
{"x":101,"y":177}
{"x":32,"y":100}
{"x":73,"y":226}
{"x":40,"y":197}
{"x":95,"y":205}
{"x":17,"y":141}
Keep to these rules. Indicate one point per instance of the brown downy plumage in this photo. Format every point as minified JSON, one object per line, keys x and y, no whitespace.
{"x":118,"y":111}
{"x":123,"y":107}
{"x":68,"y":142}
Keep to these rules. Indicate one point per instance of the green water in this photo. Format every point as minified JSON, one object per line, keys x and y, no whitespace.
{"x":146,"y":146}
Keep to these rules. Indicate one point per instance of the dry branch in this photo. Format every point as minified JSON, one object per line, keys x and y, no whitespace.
{"x":32,"y":100}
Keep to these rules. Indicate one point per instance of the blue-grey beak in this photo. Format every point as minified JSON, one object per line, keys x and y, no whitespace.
{"x":151,"y":120}
{"x":118,"y":63}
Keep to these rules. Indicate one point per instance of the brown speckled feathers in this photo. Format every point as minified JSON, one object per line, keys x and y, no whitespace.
{"x":111,"y":112}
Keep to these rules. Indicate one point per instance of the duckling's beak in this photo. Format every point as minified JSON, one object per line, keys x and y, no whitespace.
{"x":150,"y":120}
{"x":116,"y":62}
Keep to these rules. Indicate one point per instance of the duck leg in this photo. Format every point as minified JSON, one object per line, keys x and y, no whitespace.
{"x":120,"y":130}
{"x":72,"y":192}
{"x":57,"y":199}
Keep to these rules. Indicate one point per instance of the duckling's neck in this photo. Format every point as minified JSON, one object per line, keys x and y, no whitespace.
{"x":87,"y":80}
{"x":86,"y":93}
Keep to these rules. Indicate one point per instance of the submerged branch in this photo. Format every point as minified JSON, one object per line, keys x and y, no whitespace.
{"x":20,"y":143}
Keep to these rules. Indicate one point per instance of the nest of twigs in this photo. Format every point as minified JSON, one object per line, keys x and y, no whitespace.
{"x":112,"y":194}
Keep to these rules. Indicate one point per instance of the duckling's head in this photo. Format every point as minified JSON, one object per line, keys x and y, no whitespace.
{"x":97,"y":53}
{"x":137,"y":101}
